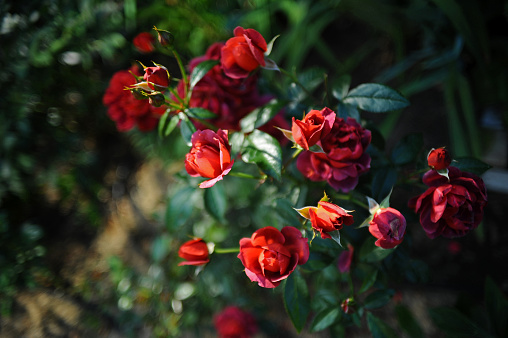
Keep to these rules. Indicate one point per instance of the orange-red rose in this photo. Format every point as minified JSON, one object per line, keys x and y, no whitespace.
{"x":270,"y":256}
{"x":389,"y":226}
{"x":143,"y":42}
{"x":329,"y":217}
{"x":439,"y":159}
{"x":209,"y":156}
{"x":243,"y":53}
{"x":195,"y":252}
{"x":315,"y":125}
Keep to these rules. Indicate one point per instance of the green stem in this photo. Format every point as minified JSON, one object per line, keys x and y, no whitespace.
{"x":288,"y":162}
{"x":182,"y":70}
{"x":226,"y":250}
{"x":350,"y":283}
{"x":295,"y":80}
{"x":244,"y":175}
{"x":351,"y":199}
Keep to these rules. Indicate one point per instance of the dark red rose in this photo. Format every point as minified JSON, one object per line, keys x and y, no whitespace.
{"x":270,"y":256}
{"x":328,"y":217}
{"x":344,"y":158}
{"x":195,"y":252}
{"x":209,"y":156}
{"x":233,"y":322}
{"x":157,"y":78}
{"x":315,"y":125}
{"x":243,"y":53}
{"x":439,"y":159}
{"x":388,"y":226}
{"x":450,"y":208}
{"x":143,"y":42}
{"x":124,"y":108}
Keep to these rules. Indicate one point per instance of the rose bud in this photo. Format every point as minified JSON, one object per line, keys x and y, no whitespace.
{"x":316,"y":124}
{"x":388,"y":226}
{"x":143,"y":42}
{"x":439,"y":159}
{"x":243,"y":53}
{"x":347,"y":305}
{"x":345,"y":259}
{"x":234,"y":322}
{"x":329,"y":217}
{"x":165,"y":38}
{"x":195,"y":252}
{"x":452,"y":206}
{"x":209,"y":156}
{"x":156,"y":99}
{"x":270,"y":256}
{"x":157,"y":78}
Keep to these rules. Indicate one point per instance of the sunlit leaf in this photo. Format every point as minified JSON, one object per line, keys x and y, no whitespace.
{"x":376,"y":98}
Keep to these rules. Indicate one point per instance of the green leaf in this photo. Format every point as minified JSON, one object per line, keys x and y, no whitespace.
{"x":215,"y":201}
{"x":264,"y":151}
{"x":200,"y":113}
{"x":379,"y":328}
{"x":261,"y":115}
{"x":286,"y":212}
{"x":317,"y":261}
{"x":186,"y":129}
{"x":497,"y":307}
{"x":335,"y":236}
{"x":162,"y":122}
{"x":407,"y":149}
{"x":375,"y":98}
{"x":236,"y":142}
{"x":385,"y":203}
{"x":173,"y":122}
{"x":347,"y":110}
{"x":341,"y":87}
{"x":455,"y":324}
{"x":471,"y":165}
{"x":368,"y":274}
{"x":378,"y":298}
{"x":200,"y":71}
{"x":407,"y":322}
{"x":371,"y":253}
{"x":383,"y":180}
{"x":324,"y":319}
{"x":180,"y":207}
{"x":297,"y":300}
{"x":160,"y":248}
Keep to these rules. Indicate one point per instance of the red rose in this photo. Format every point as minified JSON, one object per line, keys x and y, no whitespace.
{"x":195,"y":252}
{"x":124,"y":108}
{"x":270,"y":255}
{"x":450,"y":208}
{"x":316,"y":124}
{"x":439,"y":159}
{"x":233,"y":322}
{"x":143,"y":42}
{"x":328,"y":217}
{"x":345,"y":259}
{"x":344,"y":158}
{"x":209,"y":156}
{"x":157,"y":78}
{"x":243,"y":53}
{"x":388,"y":226}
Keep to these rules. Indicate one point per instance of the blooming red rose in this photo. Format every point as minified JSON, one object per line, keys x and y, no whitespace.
{"x":439,"y":159}
{"x":157,"y":78}
{"x":315,"y":125}
{"x":450,"y":208}
{"x":389,"y":226}
{"x":233,"y":322}
{"x":209,"y":156}
{"x":124,"y":108}
{"x":345,"y":259}
{"x":195,"y":252}
{"x":270,"y":256}
{"x":328,"y":217}
{"x":344,"y":158}
{"x":243,"y":53}
{"x":143,"y":42}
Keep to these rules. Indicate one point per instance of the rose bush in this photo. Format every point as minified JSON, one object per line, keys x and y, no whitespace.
{"x":270,"y":256}
{"x":450,"y":208}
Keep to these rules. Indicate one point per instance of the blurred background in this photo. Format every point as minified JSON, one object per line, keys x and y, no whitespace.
{"x":89,"y":221}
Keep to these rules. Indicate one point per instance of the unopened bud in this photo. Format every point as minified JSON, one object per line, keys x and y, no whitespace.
{"x":156,"y":99}
{"x":165,"y":38}
{"x":138,"y":93}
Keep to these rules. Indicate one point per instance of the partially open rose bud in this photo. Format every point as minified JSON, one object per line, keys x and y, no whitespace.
{"x":157,"y":78}
{"x":439,"y":158}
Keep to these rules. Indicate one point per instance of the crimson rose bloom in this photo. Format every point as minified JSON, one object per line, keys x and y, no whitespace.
{"x":157,"y":78}
{"x":209,"y":156}
{"x":450,"y":208}
{"x":124,"y":108}
{"x":243,"y":53}
{"x":344,"y":159}
{"x":195,"y":252}
{"x":143,"y":42}
{"x":328,"y":217}
{"x":315,"y":125}
{"x":234,"y":322}
{"x":439,"y":159}
{"x":388,"y":226}
{"x":270,"y":255}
